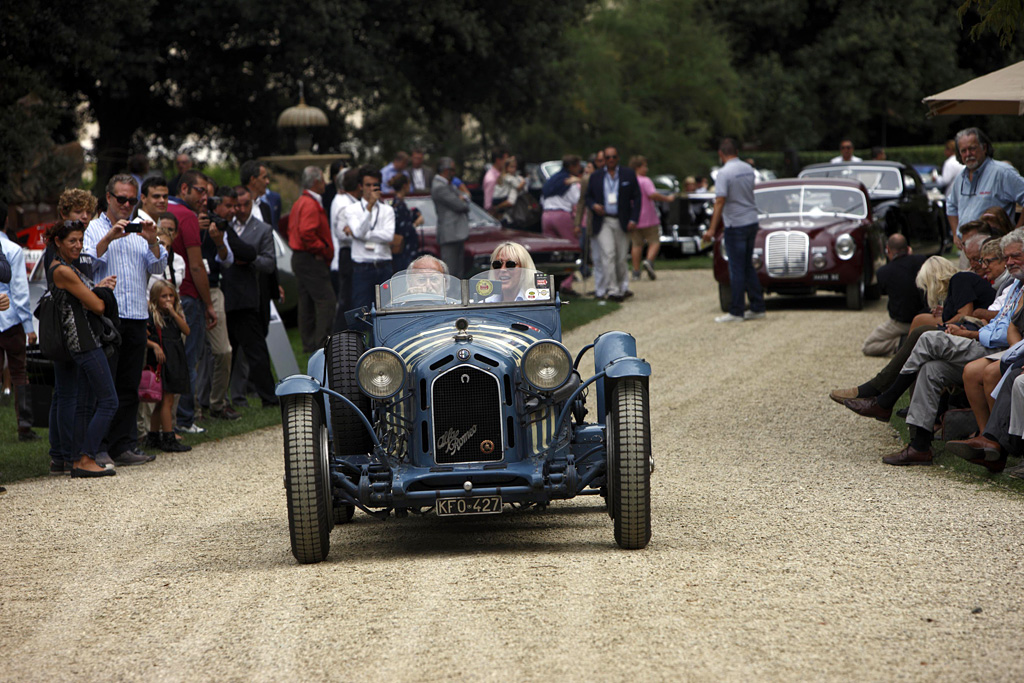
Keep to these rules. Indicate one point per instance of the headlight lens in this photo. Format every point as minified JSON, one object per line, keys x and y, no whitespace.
{"x":381,"y":373}
{"x":547,"y":365}
{"x":845,"y":246}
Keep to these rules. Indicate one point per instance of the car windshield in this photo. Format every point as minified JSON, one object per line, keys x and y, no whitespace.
{"x":879,"y":181}
{"x":810,"y":200}
{"x":419,"y":288}
{"x":477,"y":216}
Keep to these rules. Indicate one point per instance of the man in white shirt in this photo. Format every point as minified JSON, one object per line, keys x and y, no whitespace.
{"x":950,"y":167}
{"x":371,"y":223}
{"x":845,"y":152}
{"x":341,"y":267}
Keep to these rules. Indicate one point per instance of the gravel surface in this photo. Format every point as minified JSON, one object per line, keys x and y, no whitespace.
{"x":782,"y":549}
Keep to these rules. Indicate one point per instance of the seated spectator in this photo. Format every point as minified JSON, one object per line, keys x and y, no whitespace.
{"x":897,"y":280}
{"x":997,"y":220}
{"x":938,"y":361}
{"x":950,"y":295}
{"x":1004,"y":431}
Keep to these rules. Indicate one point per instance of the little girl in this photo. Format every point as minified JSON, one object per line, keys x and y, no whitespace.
{"x":167,"y":329}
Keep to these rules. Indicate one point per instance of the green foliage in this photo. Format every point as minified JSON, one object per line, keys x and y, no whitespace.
{"x":1002,"y":17}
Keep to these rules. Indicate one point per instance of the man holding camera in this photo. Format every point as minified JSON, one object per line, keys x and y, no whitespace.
{"x":130,"y":252}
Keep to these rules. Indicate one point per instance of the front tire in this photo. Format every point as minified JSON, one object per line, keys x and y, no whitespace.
{"x":307,"y":478}
{"x":629,"y":464}
{"x":342,"y":355}
{"x":855,"y":292}
{"x":724,"y":296}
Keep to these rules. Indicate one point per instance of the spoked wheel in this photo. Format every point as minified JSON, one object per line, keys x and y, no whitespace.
{"x":307,"y":478}
{"x":629,"y":463}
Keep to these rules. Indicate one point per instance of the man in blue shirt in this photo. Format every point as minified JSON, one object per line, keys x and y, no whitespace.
{"x":735,"y":208}
{"x":982,"y":184}
{"x":15,"y":325}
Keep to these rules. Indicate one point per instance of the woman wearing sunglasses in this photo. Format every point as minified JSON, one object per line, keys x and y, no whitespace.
{"x":508,"y":261}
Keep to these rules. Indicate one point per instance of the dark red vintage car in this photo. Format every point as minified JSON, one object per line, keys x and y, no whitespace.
{"x":814,"y":235}
{"x":552,"y":255}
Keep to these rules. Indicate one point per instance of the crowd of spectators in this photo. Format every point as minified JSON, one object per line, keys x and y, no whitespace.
{"x":955,"y":332}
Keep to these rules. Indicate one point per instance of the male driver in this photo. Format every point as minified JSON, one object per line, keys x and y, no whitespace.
{"x":452,"y":209}
{"x":845,"y":152}
{"x":735,"y":208}
{"x":897,"y":280}
{"x":420,"y":176}
{"x":131,"y":253}
{"x":371,"y":224}
{"x":613,"y":195}
{"x":398,"y":165}
{"x":499,"y":155}
{"x":15,"y":325}
{"x":309,"y":236}
{"x":194,"y":289}
{"x":984,"y":182}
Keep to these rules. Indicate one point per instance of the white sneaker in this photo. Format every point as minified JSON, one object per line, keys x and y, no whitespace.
{"x":193,"y":429}
{"x":754,"y":315}
{"x":729,"y":318}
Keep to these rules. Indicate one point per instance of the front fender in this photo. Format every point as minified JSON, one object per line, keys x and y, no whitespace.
{"x":615,"y":355}
{"x":297,"y":384}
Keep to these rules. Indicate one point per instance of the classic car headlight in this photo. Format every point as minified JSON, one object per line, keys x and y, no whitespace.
{"x":546,"y":365}
{"x":819,"y":261}
{"x":381,"y":373}
{"x":845,"y":246}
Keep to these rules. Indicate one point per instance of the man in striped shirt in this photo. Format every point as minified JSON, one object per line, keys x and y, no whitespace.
{"x":131,"y":253}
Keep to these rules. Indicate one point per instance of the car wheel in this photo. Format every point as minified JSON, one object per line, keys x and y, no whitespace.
{"x":343,"y":513}
{"x":855,"y":293}
{"x":724,"y":296}
{"x":629,"y":464}
{"x":307,"y":478}
{"x":350,"y":435}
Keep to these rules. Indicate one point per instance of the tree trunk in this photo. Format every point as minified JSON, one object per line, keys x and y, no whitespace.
{"x":118,"y":123}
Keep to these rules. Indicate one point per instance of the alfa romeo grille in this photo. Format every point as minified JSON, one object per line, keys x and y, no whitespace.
{"x":467,"y":416}
{"x":787,"y":253}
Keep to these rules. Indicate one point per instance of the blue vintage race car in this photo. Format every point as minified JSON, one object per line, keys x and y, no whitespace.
{"x":466,"y":403}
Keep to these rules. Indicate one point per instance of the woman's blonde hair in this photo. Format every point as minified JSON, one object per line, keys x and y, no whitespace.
{"x":934,"y":278}
{"x":518,"y":252}
{"x":154,"y":302}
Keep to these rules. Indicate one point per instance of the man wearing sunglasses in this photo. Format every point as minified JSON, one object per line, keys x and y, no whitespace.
{"x":845,"y":152}
{"x":130,"y":253}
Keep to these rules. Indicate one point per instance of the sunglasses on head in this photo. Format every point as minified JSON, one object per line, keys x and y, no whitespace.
{"x":74,"y":225}
{"x":498,"y":265}
{"x":130,"y":201}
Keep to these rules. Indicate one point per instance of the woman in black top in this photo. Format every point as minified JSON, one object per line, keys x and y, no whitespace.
{"x":406,"y":222}
{"x":87,"y":375}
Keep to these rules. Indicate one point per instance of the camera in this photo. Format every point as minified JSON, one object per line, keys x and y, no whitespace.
{"x":134,"y":226}
{"x":212,"y":203}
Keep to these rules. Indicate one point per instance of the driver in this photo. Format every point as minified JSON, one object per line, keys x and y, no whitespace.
{"x":507,"y":264}
{"x":426,"y":275}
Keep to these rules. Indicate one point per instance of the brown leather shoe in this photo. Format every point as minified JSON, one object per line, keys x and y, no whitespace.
{"x":840,"y":395}
{"x":909,"y":456}
{"x":980,"y":451}
{"x":868,"y":407}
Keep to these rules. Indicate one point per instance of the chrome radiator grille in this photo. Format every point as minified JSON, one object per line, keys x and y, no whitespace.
{"x":786,"y":253}
{"x":467,"y":416}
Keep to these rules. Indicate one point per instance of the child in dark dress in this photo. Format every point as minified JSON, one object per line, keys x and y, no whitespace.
{"x":167,"y":330}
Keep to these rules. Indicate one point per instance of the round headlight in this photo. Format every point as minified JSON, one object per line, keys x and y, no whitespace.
{"x":547,"y":365}
{"x":381,"y":373}
{"x":818,"y":261}
{"x":845,"y":246}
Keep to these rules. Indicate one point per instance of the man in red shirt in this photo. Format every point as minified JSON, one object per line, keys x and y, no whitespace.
{"x":309,"y":236}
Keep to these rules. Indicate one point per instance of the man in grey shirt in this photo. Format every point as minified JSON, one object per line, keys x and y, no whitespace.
{"x":735,"y":208}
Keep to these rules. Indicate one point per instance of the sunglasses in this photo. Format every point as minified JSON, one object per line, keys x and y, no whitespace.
{"x":130,"y":201}
{"x":611,"y":156}
{"x":74,"y":225}
{"x":498,"y":265}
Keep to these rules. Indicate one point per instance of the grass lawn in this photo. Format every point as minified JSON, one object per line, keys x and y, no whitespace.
{"x":23,"y":460}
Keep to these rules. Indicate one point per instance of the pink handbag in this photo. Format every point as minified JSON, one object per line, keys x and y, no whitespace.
{"x":151,"y":387}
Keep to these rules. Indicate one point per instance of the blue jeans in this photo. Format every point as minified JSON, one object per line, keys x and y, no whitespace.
{"x":62,"y":411}
{"x":195,"y":317}
{"x":739,"y":245}
{"x":365,"y":277}
{"x":82,"y":382}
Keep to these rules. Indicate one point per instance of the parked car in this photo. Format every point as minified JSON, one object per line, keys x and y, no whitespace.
{"x":899,"y":200}
{"x":465,"y":404}
{"x":815,"y":234}
{"x":553,"y":255}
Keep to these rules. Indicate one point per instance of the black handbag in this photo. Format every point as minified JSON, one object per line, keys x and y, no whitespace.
{"x":51,"y":328}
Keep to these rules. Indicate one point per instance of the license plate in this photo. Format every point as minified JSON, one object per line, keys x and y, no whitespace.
{"x":472,"y":505}
{"x":689,"y":247}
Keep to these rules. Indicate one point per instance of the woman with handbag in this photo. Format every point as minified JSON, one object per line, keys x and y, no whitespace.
{"x":86,"y":376}
{"x":166,"y":359}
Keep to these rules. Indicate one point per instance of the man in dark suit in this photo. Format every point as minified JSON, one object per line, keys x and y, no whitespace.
{"x":240,"y":284}
{"x":256,"y":178}
{"x":613,"y":195}
{"x":420,"y":177}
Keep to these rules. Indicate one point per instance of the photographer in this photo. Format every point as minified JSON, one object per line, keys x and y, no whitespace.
{"x":129,"y":252}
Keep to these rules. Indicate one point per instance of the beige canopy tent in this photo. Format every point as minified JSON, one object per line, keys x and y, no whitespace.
{"x":1000,"y":92}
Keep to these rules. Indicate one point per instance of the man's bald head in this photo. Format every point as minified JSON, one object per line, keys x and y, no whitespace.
{"x":897,"y":245}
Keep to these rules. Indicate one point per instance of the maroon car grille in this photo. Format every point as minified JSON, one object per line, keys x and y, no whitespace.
{"x":786,"y":253}
{"x":467,"y":416}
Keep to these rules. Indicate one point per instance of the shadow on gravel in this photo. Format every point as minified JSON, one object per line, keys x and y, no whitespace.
{"x":817,"y":302}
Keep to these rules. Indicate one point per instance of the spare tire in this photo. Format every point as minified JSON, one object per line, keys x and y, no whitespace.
{"x":342,"y":354}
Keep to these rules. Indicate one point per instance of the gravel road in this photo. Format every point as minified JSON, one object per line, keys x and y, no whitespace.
{"x":782,"y":548}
